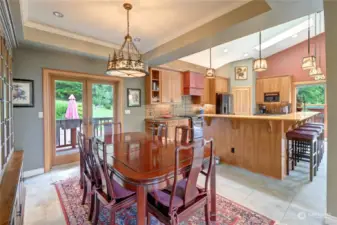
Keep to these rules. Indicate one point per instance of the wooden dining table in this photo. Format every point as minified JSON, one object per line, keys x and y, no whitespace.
{"x":142,"y":164}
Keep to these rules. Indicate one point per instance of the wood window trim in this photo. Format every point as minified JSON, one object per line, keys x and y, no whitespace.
{"x":47,"y":77}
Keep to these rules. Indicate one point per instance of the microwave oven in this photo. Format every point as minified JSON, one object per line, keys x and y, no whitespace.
{"x":272,"y":97}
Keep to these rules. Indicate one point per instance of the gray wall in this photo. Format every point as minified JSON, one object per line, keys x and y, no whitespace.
{"x":228,"y":70}
{"x":28,"y":127}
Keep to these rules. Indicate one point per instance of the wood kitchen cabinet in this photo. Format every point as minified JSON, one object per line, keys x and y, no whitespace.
{"x":171,"y":86}
{"x":205,"y":98}
{"x":221,"y":85}
{"x":163,"y":86}
{"x":281,"y":84}
{"x":193,"y":83}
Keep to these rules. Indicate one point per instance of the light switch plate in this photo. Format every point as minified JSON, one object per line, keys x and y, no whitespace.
{"x":127,"y":112}
{"x":41,"y":115}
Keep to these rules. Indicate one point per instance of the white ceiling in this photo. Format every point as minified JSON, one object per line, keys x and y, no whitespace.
{"x":237,"y":48}
{"x":104,"y":21}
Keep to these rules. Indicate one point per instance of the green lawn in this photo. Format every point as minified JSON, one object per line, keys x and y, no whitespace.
{"x":99,"y":111}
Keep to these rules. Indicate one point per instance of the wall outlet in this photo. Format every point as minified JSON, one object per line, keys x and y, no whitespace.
{"x":127,"y":112}
{"x":40,"y":115}
{"x":233,"y":150}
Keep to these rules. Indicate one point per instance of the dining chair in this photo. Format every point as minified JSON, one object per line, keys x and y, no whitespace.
{"x":112,"y":193}
{"x":181,"y":200}
{"x":89,"y":180}
{"x":182,"y":133}
{"x":159,"y":131}
{"x":112,"y":128}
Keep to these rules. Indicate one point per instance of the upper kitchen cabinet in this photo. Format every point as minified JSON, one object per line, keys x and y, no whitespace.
{"x":152,"y":86}
{"x":163,"y":86}
{"x":193,"y":83}
{"x":171,"y":83}
{"x":281,"y":85}
{"x":221,"y":85}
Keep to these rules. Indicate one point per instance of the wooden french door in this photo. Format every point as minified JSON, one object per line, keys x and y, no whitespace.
{"x":78,"y":105}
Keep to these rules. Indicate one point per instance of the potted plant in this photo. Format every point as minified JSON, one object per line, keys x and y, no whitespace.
{"x":299,"y":104}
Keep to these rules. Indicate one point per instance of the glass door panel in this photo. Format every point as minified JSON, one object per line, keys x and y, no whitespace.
{"x":69,"y":112}
{"x":101,"y":106}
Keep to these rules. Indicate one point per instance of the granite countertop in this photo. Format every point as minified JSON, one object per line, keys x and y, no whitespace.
{"x":297,"y":116}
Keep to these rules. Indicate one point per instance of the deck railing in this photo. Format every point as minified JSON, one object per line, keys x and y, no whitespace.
{"x":66,"y":130}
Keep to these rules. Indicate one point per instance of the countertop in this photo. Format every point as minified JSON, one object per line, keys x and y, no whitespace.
{"x":158,"y":119}
{"x":298,"y":116}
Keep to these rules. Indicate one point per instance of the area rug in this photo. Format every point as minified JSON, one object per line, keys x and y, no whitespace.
{"x":228,"y":212}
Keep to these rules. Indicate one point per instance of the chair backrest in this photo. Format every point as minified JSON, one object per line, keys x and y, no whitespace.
{"x":81,"y":141}
{"x":100,"y":156}
{"x":197,"y":160}
{"x":112,"y":128}
{"x":159,"y":131}
{"x":182,"y":133}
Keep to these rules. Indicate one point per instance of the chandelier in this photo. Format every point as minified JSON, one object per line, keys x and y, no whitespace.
{"x":128,"y":61}
{"x":210,"y":72}
{"x":260,"y":64}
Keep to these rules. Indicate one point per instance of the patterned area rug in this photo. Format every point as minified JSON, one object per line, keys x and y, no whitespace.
{"x":228,"y":212}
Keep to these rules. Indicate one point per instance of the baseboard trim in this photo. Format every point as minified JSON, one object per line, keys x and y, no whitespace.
{"x":330,"y":219}
{"x":31,"y":173}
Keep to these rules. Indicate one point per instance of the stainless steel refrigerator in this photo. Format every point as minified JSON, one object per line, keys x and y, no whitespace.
{"x":224,"y":104}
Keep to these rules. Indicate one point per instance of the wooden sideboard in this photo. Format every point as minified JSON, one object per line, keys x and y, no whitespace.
{"x":12,"y":192}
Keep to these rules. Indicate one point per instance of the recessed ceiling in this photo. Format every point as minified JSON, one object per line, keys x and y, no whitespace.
{"x":245,"y":47}
{"x":153,"y":21}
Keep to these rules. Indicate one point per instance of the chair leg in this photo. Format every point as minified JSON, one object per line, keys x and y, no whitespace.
{"x":112,"y":217}
{"x":85,"y":191}
{"x":207,"y":218}
{"x":96,"y":211}
{"x":92,"y":206}
{"x":311,"y":161}
{"x":148,"y":218}
{"x":288,"y":158}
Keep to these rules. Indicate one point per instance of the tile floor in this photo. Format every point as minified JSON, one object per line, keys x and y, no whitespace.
{"x":293,"y":201}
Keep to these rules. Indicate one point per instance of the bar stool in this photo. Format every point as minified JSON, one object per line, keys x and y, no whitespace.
{"x":320,"y":138}
{"x":301,"y":141}
{"x":318,"y":132}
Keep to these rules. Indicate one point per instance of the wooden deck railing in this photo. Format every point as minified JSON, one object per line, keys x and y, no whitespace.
{"x":66,"y":130}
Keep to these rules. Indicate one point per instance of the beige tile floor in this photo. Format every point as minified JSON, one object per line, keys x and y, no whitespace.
{"x":293,"y":201}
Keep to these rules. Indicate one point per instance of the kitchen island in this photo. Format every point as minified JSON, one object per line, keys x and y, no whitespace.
{"x":254,"y":142}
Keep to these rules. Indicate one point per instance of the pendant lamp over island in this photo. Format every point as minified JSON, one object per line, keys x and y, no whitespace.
{"x":309,"y":62}
{"x":317,"y":71}
{"x":128,"y":61}
{"x":260,"y":64}
{"x":210,"y":72}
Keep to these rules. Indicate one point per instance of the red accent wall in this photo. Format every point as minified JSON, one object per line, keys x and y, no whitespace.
{"x":289,"y":61}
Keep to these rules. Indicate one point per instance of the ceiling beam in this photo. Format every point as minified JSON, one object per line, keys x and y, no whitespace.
{"x":203,"y":36}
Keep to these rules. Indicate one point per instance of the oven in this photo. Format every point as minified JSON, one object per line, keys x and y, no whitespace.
{"x":272,"y":97}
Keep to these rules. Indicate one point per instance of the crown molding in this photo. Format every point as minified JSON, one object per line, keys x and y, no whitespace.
{"x":68,"y":34}
{"x":7,"y":25}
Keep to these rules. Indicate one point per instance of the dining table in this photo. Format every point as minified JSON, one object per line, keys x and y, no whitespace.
{"x":141,"y":163}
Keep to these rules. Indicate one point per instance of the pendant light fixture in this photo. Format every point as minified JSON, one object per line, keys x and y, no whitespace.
{"x":128,"y":61}
{"x":309,"y":62}
{"x":317,"y":71}
{"x":210,"y":72}
{"x":260,"y":64}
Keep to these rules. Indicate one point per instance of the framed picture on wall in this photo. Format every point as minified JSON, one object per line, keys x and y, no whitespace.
{"x":134,"y":97}
{"x":23,"y":93}
{"x":241,"y":73}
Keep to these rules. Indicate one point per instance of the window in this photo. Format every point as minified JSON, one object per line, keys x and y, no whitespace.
{"x":6,"y":107}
